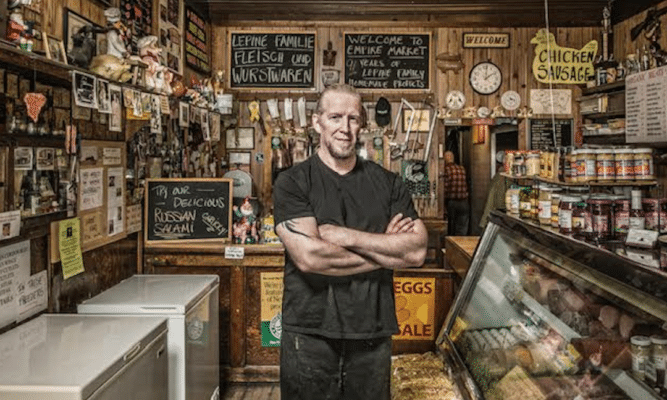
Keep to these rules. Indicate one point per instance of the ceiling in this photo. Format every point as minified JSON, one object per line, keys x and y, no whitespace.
{"x":477,"y":13}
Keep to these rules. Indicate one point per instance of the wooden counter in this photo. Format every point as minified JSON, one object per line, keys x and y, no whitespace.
{"x":243,"y":358}
{"x":459,"y":251}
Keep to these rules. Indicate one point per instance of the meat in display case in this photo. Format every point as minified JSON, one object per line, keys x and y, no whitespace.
{"x":542,"y":316}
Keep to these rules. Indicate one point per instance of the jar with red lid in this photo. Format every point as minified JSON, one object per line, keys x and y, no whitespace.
{"x":600,"y":209}
{"x":651,"y":209}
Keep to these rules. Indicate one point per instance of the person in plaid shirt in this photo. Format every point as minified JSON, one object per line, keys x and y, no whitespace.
{"x":456,"y":197}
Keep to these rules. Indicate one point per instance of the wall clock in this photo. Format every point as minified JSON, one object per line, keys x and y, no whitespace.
{"x":483,"y":112}
{"x":485,"y":77}
{"x":510,"y":100}
{"x":455,"y":100}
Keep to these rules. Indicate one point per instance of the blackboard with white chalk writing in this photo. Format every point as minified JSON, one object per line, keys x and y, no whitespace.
{"x":188,"y":209}
{"x":542,"y":133}
{"x":271,"y":60}
{"x":388,"y":61}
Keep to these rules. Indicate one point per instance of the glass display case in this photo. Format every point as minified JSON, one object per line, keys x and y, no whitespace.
{"x":542,"y":316}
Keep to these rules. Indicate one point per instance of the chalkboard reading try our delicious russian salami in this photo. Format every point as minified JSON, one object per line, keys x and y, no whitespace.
{"x":387,"y":61}
{"x":272,"y":60}
{"x":188,"y":209}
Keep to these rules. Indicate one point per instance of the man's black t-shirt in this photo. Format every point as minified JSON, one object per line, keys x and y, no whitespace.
{"x":359,"y":306}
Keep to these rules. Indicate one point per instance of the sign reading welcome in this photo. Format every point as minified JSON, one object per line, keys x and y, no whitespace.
{"x":556,"y":64}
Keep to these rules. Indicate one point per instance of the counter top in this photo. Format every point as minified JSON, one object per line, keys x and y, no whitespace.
{"x":459,"y":251}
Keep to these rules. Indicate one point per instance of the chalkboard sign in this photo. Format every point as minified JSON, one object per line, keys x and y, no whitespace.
{"x":388,"y":61}
{"x":272,"y":60}
{"x":542,"y":133}
{"x":188,"y":209}
{"x":196,"y":48}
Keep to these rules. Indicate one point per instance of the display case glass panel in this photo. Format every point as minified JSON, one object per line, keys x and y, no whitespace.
{"x":530,"y":322}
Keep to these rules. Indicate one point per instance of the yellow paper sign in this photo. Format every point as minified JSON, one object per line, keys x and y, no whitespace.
{"x":271,"y":307}
{"x":415,"y":308}
{"x":556,"y":64}
{"x":69,"y":243}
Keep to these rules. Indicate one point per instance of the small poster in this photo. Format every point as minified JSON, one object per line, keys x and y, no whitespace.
{"x":14,"y":270}
{"x":23,"y":158}
{"x":271,"y":306}
{"x":133,"y":218}
{"x":10,"y":222}
{"x":103,"y":100}
{"x":69,"y":245}
{"x":111,"y":156}
{"x":91,"y":188}
{"x":415,"y":308}
{"x":91,"y":226}
{"x":46,"y":158}
{"x":115,"y":201}
{"x":215,"y":127}
{"x":116,"y":117}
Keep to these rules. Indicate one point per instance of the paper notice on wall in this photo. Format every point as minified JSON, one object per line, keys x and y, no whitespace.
{"x":111,"y":156}
{"x":14,"y":270}
{"x":133,"y":213}
{"x":92,"y":188}
{"x":115,"y":203}
{"x":10,"y":222}
{"x":215,"y":127}
{"x":270,"y":313}
{"x":33,"y":295}
{"x":70,"y":247}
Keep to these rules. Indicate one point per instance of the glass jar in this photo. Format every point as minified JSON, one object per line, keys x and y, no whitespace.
{"x":586,"y":164}
{"x":525,"y":202}
{"x":570,"y":166}
{"x":555,"y":204}
{"x":604,"y":165}
{"x":644,"y":164}
{"x":579,"y":220}
{"x":625,"y":164}
{"x":534,"y":203}
{"x":600,"y":209}
{"x":637,"y":220}
{"x":532,"y":163}
{"x":651,"y":209}
{"x":508,"y":161}
{"x":544,"y":204}
{"x":518,"y":166}
{"x":512,"y":201}
{"x":621,"y":215}
{"x":565,"y":209}
{"x":658,"y":360}
{"x":640,"y":349}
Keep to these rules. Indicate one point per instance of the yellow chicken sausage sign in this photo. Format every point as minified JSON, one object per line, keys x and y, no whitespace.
{"x":556,"y":64}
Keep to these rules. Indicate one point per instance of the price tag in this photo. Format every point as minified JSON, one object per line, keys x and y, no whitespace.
{"x":234,"y":253}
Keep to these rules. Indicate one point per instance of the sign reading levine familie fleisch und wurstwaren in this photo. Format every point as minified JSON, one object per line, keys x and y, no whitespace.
{"x":271,"y":60}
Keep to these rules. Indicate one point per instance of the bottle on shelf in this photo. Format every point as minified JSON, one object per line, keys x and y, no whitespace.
{"x":637,"y":220}
{"x":34,"y":193}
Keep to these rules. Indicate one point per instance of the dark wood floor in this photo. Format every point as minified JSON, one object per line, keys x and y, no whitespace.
{"x":251,"y":391}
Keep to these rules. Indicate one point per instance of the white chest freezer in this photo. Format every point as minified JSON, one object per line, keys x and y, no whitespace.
{"x":85,"y":357}
{"x":190,"y":302}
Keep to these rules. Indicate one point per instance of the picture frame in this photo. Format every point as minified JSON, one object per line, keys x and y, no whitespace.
{"x":241,"y":138}
{"x":420,"y":122}
{"x":55,"y":48}
{"x":239,"y":157}
{"x":183,"y":114}
{"x":72,"y":22}
{"x":116,"y":101}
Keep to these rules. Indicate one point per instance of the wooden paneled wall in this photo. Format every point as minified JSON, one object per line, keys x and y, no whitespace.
{"x":515,"y":62}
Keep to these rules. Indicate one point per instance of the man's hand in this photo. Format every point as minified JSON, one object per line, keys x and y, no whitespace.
{"x":398,"y":224}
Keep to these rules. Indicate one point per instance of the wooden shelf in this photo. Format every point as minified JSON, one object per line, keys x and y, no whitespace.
{"x":604,"y":115}
{"x":591,"y":183}
{"x":610,"y":87}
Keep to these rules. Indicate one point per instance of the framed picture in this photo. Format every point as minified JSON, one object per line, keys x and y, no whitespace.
{"x":239,"y":157}
{"x":55,"y":49}
{"x":183,"y":115}
{"x":116,"y":100}
{"x":84,"y":89}
{"x":72,"y":22}
{"x":103,"y":100}
{"x":241,"y":138}
{"x":420,"y":121}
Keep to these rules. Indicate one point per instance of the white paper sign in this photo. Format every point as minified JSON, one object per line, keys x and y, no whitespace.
{"x":111,"y":156}
{"x":551,"y":101}
{"x":646,"y":106}
{"x":115,"y":203}
{"x":133,"y":213}
{"x":33,"y":295}
{"x":234,"y":253}
{"x":14,"y":270}
{"x":10,"y":222}
{"x":92,"y":193}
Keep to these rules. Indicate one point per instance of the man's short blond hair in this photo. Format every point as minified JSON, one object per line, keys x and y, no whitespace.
{"x":342,"y":88}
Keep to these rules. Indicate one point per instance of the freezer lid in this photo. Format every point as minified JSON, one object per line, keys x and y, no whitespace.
{"x":151,"y":294}
{"x":73,"y":353}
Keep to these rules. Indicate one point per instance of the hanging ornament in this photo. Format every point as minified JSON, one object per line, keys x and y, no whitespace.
{"x":34,"y":103}
{"x":253,"y":107}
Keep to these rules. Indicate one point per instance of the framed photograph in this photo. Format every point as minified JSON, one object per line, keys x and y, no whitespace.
{"x":72,"y":22}
{"x":241,"y":138}
{"x":103,"y":103}
{"x":420,"y":121}
{"x":55,"y":49}
{"x":84,"y":89}
{"x":183,"y":115}
{"x":23,"y":157}
{"x":116,"y":100}
{"x":45,"y":158}
{"x":239,"y":157}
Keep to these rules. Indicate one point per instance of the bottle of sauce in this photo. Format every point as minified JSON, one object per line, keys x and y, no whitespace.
{"x":637,"y":220}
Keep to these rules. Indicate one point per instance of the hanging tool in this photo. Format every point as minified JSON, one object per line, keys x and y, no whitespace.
{"x":397,"y":149}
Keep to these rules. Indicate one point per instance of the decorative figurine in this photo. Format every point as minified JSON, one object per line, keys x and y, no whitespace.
{"x":117,"y":34}
{"x":20,"y":31}
{"x":157,"y":76}
{"x":84,"y":46}
{"x":245,"y":225}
